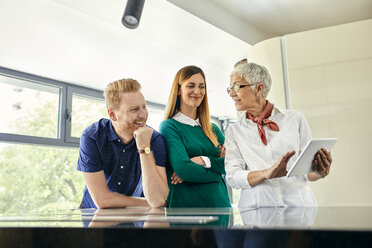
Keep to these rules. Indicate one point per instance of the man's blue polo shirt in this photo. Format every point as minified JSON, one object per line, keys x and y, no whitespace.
{"x":101,"y":149}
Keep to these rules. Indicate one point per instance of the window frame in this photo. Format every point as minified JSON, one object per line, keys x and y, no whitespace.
{"x":84,"y":92}
{"x":66,"y":90}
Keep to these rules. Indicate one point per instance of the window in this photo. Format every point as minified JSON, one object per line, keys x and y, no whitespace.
{"x":37,"y":178}
{"x":85,"y":111}
{"x":156,"y":116}
{"x":42,"y":119}
{"x":28,"y":108}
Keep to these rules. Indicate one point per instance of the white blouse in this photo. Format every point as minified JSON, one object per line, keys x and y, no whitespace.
{"x":245,"y":152}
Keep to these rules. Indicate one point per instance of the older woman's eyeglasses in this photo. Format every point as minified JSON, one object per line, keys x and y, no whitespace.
{"x":237,"y":87}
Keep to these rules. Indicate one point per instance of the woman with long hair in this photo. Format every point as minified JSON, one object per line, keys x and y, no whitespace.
{"x":195,"y":145}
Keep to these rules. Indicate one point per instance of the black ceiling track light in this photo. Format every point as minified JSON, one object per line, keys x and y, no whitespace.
{"x":132,"y":13}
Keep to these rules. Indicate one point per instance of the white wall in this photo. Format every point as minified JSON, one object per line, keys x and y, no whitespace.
{"x":268,"y":53}
{"x":330,"y":74}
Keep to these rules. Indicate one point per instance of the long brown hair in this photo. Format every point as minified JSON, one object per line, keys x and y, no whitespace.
{"x":174,"y":101}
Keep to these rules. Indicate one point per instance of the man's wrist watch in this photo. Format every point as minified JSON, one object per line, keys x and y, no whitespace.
{"x":145,"y":150}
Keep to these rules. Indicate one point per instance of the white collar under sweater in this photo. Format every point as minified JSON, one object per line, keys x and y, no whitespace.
{"x":186,"y":120}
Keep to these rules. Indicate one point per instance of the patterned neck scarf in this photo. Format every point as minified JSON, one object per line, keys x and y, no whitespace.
{"x":262,"y":120}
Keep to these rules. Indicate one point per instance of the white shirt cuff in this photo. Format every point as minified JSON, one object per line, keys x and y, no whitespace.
{"x":207,"y":162}
{"x":306,"y":178}
{"x":241,"y":179}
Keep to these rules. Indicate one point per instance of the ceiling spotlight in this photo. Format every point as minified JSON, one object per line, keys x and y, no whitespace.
{"x":132,"y":13}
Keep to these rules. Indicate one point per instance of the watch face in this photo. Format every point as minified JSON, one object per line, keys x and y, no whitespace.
{"x":147,"y":150}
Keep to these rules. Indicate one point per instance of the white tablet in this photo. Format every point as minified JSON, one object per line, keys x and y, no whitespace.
{"x":304,"y":162}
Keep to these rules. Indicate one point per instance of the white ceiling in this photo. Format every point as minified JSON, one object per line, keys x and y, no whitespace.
{"x":83,"y":41}
{"x":257,"y":20}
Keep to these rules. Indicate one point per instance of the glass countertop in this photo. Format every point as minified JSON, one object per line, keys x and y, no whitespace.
{"x":320,"y":218}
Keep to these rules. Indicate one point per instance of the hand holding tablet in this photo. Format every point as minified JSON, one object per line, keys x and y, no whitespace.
{"x":304,"y":162}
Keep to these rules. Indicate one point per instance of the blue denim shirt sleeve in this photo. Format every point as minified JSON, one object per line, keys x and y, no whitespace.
{"x":89,"y":155}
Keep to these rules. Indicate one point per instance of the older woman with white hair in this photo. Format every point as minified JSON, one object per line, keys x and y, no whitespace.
{"x":264,"y":143}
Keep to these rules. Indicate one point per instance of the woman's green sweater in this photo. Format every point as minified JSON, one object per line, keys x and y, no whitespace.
{"x":201,"y":187}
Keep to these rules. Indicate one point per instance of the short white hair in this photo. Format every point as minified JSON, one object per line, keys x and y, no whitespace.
{"x":254,"y":74}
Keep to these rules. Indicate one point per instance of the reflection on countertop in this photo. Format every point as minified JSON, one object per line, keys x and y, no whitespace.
{"x":299,"y":217}
{"x":311,"y":218}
